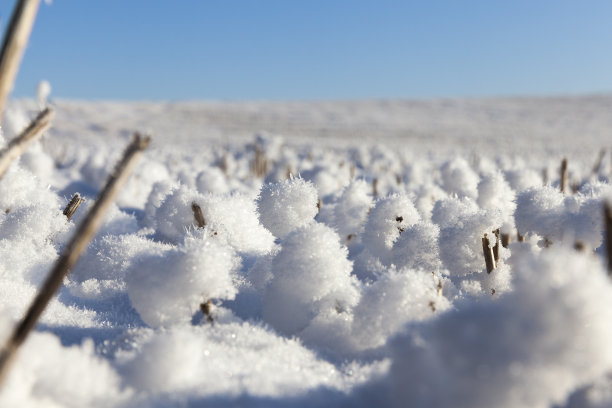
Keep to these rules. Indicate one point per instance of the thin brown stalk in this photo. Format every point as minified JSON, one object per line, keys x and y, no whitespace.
{"x":197,"y":215}
{"x":14,"y":44}
{"x":72,"y":251}
{"x":505,"y":240}
{"x":488,"y":254}
{"x":72,"y":206}
{"x":206,"y":309}
{"x":18,"y":145}
{"x":260,"y":164}
{"x":496,"y":246}
{"x":563,"y":184}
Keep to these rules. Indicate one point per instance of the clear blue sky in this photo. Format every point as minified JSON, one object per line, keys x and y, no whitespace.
{"x":317,"y":49}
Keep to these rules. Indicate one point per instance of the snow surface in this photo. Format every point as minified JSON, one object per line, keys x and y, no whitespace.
{"x":350,"y":274}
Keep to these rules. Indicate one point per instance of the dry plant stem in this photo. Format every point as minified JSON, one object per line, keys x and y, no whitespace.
{"x":13,"y":46}
{"x":197,"y":214}
{"x":488,"y":254}
{"x":259,"y":165}
{"x":72,"y":206}
{"x":496,"y":247}
{"x":72,"y":251}
{"x":18,"y":145}
{"x":608,"y":218}
{"x":505,"y":240}
{"x":563,"y":184}
{"x":519,"y":237}
{"x":375,"y":187}
{"x":206,"y":309}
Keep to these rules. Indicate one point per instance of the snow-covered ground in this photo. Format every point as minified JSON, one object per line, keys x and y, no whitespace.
{"x":341,"y":261}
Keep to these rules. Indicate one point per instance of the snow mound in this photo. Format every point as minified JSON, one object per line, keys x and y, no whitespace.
{"x":167,"y":288}
{"x":287,"y":205}
{"x":310,"y":275}
{"x":532,"y":347}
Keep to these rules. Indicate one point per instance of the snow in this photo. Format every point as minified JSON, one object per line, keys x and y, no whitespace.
{"x":287,"y":205}
{"x":349,"y":273}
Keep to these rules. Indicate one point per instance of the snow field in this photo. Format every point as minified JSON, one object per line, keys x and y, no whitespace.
{"x":347,"y":275}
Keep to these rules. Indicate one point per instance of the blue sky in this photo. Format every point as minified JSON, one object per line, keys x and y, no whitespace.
{"x":317,"y":49}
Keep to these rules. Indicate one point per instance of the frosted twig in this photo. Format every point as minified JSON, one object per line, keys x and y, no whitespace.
{"x":496,"y":246}
{"x":72,"y":251}
{"x":72,"y":206}
{"x":18,"y":145}
{"x":13,"y":45}
{"x":488,"y":254}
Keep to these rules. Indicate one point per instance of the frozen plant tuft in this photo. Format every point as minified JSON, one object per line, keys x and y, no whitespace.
{"x":310,"y":275}
{"x":287,"y":205}
{"x":166,"y":288}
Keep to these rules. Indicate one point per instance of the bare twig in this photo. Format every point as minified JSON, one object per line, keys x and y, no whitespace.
{"x":197,"y":214}
{"x":563,"y":184}
{"x":496,"y":246}
{"x":72,"y":206}
{"x":505,"y":240}
{"x":72,"y":251}
{"x":18,"y":145}
{"x":13,"y":46}
{"x":488,"y":254}
{"x":375,"y":187}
